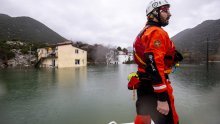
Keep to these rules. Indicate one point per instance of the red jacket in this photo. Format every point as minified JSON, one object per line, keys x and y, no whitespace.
{"x":154,"y":54}
{"x":155,"y":40}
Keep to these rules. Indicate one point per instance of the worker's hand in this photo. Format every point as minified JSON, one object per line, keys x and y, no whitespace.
{"x":163,"y":107}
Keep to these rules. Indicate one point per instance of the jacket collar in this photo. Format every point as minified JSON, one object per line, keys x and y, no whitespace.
{"x":153,"y":23}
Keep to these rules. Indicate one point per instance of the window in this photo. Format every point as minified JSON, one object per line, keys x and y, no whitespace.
{"x":76,"y":51}
{"x":77,"y":61}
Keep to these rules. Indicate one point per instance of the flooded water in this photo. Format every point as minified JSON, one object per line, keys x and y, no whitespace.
{"x":99,"y":95}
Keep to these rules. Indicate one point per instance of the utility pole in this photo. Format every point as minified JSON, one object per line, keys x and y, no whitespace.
{"x":207,"y":55}
{"x":30,"y":56}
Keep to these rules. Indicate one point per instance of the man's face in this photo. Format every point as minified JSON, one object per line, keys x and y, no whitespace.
{"x":164,"y":15}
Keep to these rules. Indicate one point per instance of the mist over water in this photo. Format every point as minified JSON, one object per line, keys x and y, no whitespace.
{"x":99,"y":95}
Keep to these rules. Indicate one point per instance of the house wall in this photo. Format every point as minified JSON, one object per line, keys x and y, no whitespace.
{"x":69,"y":57}
{"x":42,"y":52}
{"x":122,"y":59}
{"x":48,"y":62}
{"x":131,"y":56}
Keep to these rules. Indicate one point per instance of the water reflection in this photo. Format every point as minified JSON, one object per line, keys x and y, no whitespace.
{"x":68,"y":77}
{"x":2,"y":88}
{"x":98,"y":95}
{"x":197,"y":93}
{"x":197,"y":76}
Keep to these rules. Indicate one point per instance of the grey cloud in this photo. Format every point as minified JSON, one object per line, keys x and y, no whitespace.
{"x":107,"y":21}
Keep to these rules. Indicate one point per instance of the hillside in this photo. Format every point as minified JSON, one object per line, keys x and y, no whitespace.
{"x":26,"y":29}
{"x":194,"y":41}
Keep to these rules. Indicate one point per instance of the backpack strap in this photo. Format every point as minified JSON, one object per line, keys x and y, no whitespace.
{"x":139,"y":36}
{"x":139,"y":59}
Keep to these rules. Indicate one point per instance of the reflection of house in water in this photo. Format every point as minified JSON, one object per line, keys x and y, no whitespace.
{"x":118,"y":57}
{"x":61,"y":55}
{"x":71,"y":77}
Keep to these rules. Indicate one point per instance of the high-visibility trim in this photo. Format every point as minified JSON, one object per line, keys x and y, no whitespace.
{"x":168,"y":71}
{"x":160,"y":87}
{"x":139,"y":59}
{"x":160,"y":91}
{"x":141,"y":70}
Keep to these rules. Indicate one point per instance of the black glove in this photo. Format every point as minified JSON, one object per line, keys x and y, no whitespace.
{"x":178,"y":56}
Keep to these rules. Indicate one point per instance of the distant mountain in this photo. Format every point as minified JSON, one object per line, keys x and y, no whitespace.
{"x":194,"y":40}
{"x":26,"y":29}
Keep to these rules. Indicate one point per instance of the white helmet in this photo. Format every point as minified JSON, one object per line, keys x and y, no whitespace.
{"x":155,"y":4}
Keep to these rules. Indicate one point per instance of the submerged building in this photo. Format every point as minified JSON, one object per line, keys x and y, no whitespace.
{"x":61,"y":55}
{"x":118,"y":57}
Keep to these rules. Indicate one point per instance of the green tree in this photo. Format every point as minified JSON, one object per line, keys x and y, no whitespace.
{"x":125,"y":50}
{"x":119,"y":48}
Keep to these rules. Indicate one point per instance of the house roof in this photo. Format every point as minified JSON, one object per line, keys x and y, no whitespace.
{"x":62,"y":44}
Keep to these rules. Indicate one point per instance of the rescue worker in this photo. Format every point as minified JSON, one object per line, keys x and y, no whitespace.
{"x":155,"y":56}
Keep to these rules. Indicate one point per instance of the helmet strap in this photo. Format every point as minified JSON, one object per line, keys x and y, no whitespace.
{"x":156,"y":14}
{"x":158,"y":17}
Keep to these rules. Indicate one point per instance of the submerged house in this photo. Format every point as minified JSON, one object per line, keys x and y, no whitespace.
{"x":124,"y":57}
{"x":61,"y":55}
{"x":118,"y":57}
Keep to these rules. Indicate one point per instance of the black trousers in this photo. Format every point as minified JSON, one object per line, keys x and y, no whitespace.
{"x":146,"y":104}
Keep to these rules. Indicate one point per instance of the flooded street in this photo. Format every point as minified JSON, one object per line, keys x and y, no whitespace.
{"x":99,"y":95}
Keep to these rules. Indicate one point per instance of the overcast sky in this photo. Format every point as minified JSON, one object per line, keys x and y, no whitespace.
{"x":108,"y":22}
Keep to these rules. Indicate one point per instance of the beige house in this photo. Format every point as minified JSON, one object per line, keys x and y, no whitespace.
{"x":61,"y":55}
